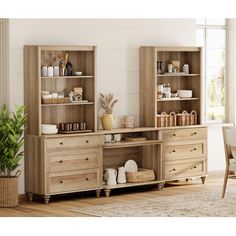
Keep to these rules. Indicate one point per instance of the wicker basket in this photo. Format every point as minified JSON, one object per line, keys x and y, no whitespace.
{"x":143,"y":175}
{"x":193,"y":117}
{"x":183,"y":118}
{"x":172,"y":119}
{"x":161,"y":119}
{"x":9,"y":191}
{"x":47,"y":101}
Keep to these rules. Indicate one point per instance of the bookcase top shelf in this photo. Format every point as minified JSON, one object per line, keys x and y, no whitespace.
{"x":176,"y":75}
{"x":69,"y":77}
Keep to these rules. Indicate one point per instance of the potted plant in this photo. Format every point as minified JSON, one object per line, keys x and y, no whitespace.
{"x":11,"y":141}
{"x":107,"y":103}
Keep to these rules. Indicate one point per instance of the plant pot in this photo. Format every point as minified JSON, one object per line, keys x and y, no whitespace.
{"x":9,"y":191}
{"x":107,"y":121}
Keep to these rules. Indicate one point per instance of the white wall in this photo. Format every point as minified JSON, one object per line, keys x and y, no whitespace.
{"x":118,"y":44}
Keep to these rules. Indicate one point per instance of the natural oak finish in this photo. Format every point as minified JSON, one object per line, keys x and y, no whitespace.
{"x":150,"y":106}
{"x":61,"y":163}
{"x":83,"y":59}
{"x":183,"y":153}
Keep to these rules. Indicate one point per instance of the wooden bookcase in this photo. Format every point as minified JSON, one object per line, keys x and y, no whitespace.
{"x":184,"y":148}
{"x":61,"y":163}
{"x":150,"y":106}
{"x":82,"y":59}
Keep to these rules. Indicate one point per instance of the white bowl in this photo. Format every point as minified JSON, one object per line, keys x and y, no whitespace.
{"x":49,"y":129}
{"x":78,"y":73}
{"x":185,"y":93}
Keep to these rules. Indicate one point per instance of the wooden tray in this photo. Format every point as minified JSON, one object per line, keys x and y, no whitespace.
{"x":77,"y":131}
{"x":135,"y":138}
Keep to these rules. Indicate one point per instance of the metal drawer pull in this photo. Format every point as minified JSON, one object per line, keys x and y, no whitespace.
{"x":86,"y":159}
{"x":61,"y":143}
{"x":194,"y":167}
{"x":87,"y":179}
{"x":172,"y":170}
{"x":61,"y":182}
{"x":173,"y":151}
{"x":87,"y":141}
{"x":194,"y":133}
{"x":61,"y":161}
{"x":195,"y":149}
{"x":173,"y":134}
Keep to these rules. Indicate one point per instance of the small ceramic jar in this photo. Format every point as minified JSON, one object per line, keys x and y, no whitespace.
{"x":44,"y":71}
{"x":56,"y":71}
{"x":50,"y":71}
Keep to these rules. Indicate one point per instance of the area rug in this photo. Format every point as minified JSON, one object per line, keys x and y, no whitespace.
{"x":206,"y":203}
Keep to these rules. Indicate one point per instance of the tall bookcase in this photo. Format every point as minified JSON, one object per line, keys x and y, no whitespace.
{"x":61,"y":163}
{"x":184,"y":148}
{"x":82,"y":59}
{"x":150,"y":106}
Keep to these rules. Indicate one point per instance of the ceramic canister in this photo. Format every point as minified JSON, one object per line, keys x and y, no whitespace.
{"x":44,"y":71}
{"x":56,"y":71}
{"x":50,"y":71}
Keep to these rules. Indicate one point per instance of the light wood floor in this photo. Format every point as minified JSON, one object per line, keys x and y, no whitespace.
{"x":61,"y":205}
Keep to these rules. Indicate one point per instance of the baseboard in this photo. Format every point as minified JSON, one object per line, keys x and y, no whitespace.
{"x":22,"y":197}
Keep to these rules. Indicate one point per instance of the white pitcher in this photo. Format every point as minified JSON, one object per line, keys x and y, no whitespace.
{"x":110,"y":175}
{"x":121,"y":179}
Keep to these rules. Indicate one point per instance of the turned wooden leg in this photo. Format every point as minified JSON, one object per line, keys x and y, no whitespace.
{"x":98,"y":192}
{"x":107,"y":192}
{"x":46,"y":199}
{"x":203,"y":179}
{"x":160,"y":186}
{"x":30,"y":197}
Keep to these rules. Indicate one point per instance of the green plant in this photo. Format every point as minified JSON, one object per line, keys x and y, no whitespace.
{"x":107,"y":102}
{"x":11,"y":139}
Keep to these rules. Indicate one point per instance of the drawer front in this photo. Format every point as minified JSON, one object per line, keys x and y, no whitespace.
{"x":188,"y":134}
{"x":177,"y":152}
{"x":175,"y":171}
{"x":71,"y":142}
{"x":74,"y":181}
{"x":74,"y":160}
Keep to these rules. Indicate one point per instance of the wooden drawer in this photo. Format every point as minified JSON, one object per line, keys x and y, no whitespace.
{"x":182,"y":170}
{"x":188,"y":134}
{"x":71,"y":142}
{"x":177,"y":152}
{"x":73,"y":160}
{"x":74,"y":181}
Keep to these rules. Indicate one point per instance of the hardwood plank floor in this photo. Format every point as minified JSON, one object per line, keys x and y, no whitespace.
{"x":61,"y":205}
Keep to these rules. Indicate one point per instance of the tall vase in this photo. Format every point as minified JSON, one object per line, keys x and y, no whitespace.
{"x":107,"y":121}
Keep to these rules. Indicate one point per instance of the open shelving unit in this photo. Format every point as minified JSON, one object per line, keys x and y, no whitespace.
{"x":146,"y":153}
{"x":82,"y":59}
{"x":150,"y":106}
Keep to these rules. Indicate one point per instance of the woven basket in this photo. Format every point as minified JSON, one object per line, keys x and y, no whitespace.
{"x":183,"y":118}
{"x":9,"y":191}
{"x":142,"y":175}
{"x":193,"y":117}
{"x":172,"y":119}
{"x":161,"y":119}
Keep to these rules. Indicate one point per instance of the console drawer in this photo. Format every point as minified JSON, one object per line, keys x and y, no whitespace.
{"x":74,"y":181}
{"x":73,"y":160}
{"x":185,"y":134}
{"x":72,"y":142}
{"x":185,"y":151}
{"x":175,"y":171}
